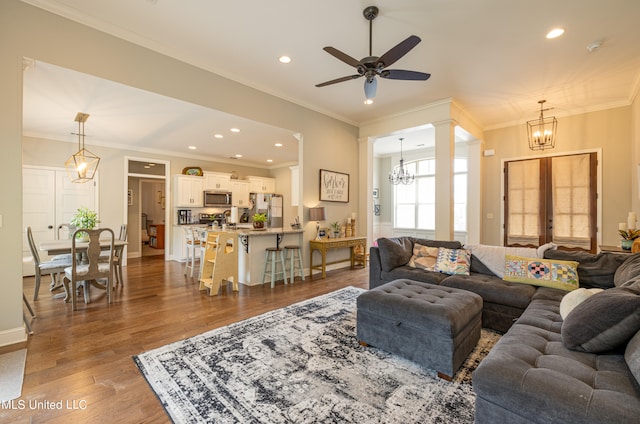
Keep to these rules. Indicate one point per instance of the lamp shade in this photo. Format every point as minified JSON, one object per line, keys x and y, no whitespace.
{"x":317,"y":214}
{"x":370,"y":86}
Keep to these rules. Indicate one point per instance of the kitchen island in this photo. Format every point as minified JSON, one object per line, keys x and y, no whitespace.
{"x":251,"y":252}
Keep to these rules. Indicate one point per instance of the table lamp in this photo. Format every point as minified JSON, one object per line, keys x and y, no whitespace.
{"x":317,"y":214}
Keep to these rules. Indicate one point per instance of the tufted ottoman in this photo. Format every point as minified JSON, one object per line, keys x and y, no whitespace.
{"x":434,"y":326}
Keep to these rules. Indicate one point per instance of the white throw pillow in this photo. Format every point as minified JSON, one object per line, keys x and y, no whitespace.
{"x":574,"y":298}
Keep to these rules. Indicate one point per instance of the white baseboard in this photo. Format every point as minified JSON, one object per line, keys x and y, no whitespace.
{"x":13,"y":336}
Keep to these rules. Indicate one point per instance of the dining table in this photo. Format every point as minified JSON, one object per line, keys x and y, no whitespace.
{"x":61,"y":247}
{"x":64,"y":246}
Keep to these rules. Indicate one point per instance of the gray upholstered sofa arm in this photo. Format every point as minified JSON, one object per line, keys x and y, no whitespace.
{"x":375,"y":268}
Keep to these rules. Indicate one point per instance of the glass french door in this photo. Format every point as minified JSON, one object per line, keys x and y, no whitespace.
{"x":552,"y":199}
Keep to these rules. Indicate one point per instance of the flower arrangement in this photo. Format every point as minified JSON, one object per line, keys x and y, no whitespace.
{"x":336,"y":226}
{"x":629,"y":234}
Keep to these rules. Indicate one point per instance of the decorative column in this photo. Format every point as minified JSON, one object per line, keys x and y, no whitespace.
{"x":445,"y":150}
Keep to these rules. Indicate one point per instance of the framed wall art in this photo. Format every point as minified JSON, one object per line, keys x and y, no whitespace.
{"x":334,"y":186}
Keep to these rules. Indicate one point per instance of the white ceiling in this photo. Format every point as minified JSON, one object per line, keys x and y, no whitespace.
{"x":491,"y":56}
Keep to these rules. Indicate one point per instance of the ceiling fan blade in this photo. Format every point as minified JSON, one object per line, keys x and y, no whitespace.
{"x":337,"y":80}
{"x":402,"y":48}
{"x":399,"y":74}
{"x":342,"y":56}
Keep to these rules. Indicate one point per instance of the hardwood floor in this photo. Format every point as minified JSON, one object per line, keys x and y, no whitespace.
{"x":79,"y":366}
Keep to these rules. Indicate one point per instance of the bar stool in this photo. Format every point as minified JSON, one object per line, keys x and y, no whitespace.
{"x":293,"y":255}
{"x":191,"y":251}
{"x":272,"y":259}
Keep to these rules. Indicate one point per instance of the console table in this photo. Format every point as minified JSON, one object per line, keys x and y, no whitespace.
{"x":353,"y":243}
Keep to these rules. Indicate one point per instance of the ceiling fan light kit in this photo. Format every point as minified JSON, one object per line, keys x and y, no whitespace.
{"x":371,"y":66}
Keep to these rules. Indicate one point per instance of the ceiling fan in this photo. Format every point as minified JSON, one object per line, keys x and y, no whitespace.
{"x":372,"y":66}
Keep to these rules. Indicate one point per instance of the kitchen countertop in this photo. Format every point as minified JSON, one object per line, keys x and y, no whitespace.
{"x":267,"y":231}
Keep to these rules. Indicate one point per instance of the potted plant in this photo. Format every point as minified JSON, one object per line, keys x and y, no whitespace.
{"x":336,"y":229}
{"x":259,"y":219}
{"x":84,"y":218}
{"x":628,"y":236}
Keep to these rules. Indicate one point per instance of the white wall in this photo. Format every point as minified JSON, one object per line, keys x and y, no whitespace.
{"x":26,"y":31}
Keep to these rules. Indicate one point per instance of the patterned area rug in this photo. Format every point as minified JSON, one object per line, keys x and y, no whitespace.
{"x":303,"y":364}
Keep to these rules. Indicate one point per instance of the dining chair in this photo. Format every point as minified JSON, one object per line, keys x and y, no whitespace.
{"x":117,"y":255}
{"x":92,"y":267}
{"x":54,"y":268}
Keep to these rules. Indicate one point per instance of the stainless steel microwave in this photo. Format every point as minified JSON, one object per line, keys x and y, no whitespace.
{"x":217,"y":199}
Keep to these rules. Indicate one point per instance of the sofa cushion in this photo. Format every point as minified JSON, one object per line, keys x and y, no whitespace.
{"x":424,"y":257}
{"x":394,"y":252}
{"x":632,"y":356}
{"x":415,"y":274}
{"x":453,"y":261}
{"x":478,"y":266}
{"x":574,"y":298}
{"x":493,"y":257}
{"x":561,"y":275}
{"x":629,"y":270}
{"x":604,"y":321}
{"x":594,"y":271}
{"x":493,"y":289}
{"x":449,"y":244}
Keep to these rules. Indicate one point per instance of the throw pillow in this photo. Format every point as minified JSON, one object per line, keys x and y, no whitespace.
{"x":424,"y":257}
{"x":594,"y":271}
{"x":574,"y":298}
{"x":603,"y":322}
{"x":629,"y":270}
{"x":394,"y":252}
{"x":453,"y":261}
{"x":561,"y":275}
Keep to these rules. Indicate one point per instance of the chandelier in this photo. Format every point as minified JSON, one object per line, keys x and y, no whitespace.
{"x":400,"y":174}
{"x":82,"y":166}
{"x":542,"y":131}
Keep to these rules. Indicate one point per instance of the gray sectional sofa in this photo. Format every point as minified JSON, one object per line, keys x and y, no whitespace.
{"x":531,"y":376}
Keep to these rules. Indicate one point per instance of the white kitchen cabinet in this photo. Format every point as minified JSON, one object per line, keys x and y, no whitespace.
{"x":239,"y":193}
{"x":188,"y":191}
{"x":262,"y":185}
{"x":217,"y":181}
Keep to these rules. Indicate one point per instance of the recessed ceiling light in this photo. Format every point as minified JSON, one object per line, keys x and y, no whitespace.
{"x":554,"y":33}
{"x":192,"y":147}
{"x":218,"y":136}
{"x":368,"y":101}
{"x":235,"y":130}
{"x":284,"y":59}
{"x":147,"y":167}
{"x":278,"y":144}
{"x":152,"y":164}
{"x":238,"y":156}
{"x":269,"y":160}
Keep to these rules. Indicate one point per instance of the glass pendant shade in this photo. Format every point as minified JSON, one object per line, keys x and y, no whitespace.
{"x":82,"y":165}
{"x":370,"y":86}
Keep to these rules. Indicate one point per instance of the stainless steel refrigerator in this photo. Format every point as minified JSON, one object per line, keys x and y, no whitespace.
{"x":269,"y":203}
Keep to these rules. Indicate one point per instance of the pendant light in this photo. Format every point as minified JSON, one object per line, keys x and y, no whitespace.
{"x":82,"y":166}
{"x":542,"y":131}
{"x":401,"y":174}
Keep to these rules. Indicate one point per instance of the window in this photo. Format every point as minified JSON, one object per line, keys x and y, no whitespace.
{"x":551,"y":199}
{"x":415,"y":205}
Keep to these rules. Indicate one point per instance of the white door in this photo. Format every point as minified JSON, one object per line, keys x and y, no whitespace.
{"x":50,"y":199}
{"x":38,"y":210}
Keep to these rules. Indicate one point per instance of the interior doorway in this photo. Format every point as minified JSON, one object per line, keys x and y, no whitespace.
{"x":147,"y":206}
